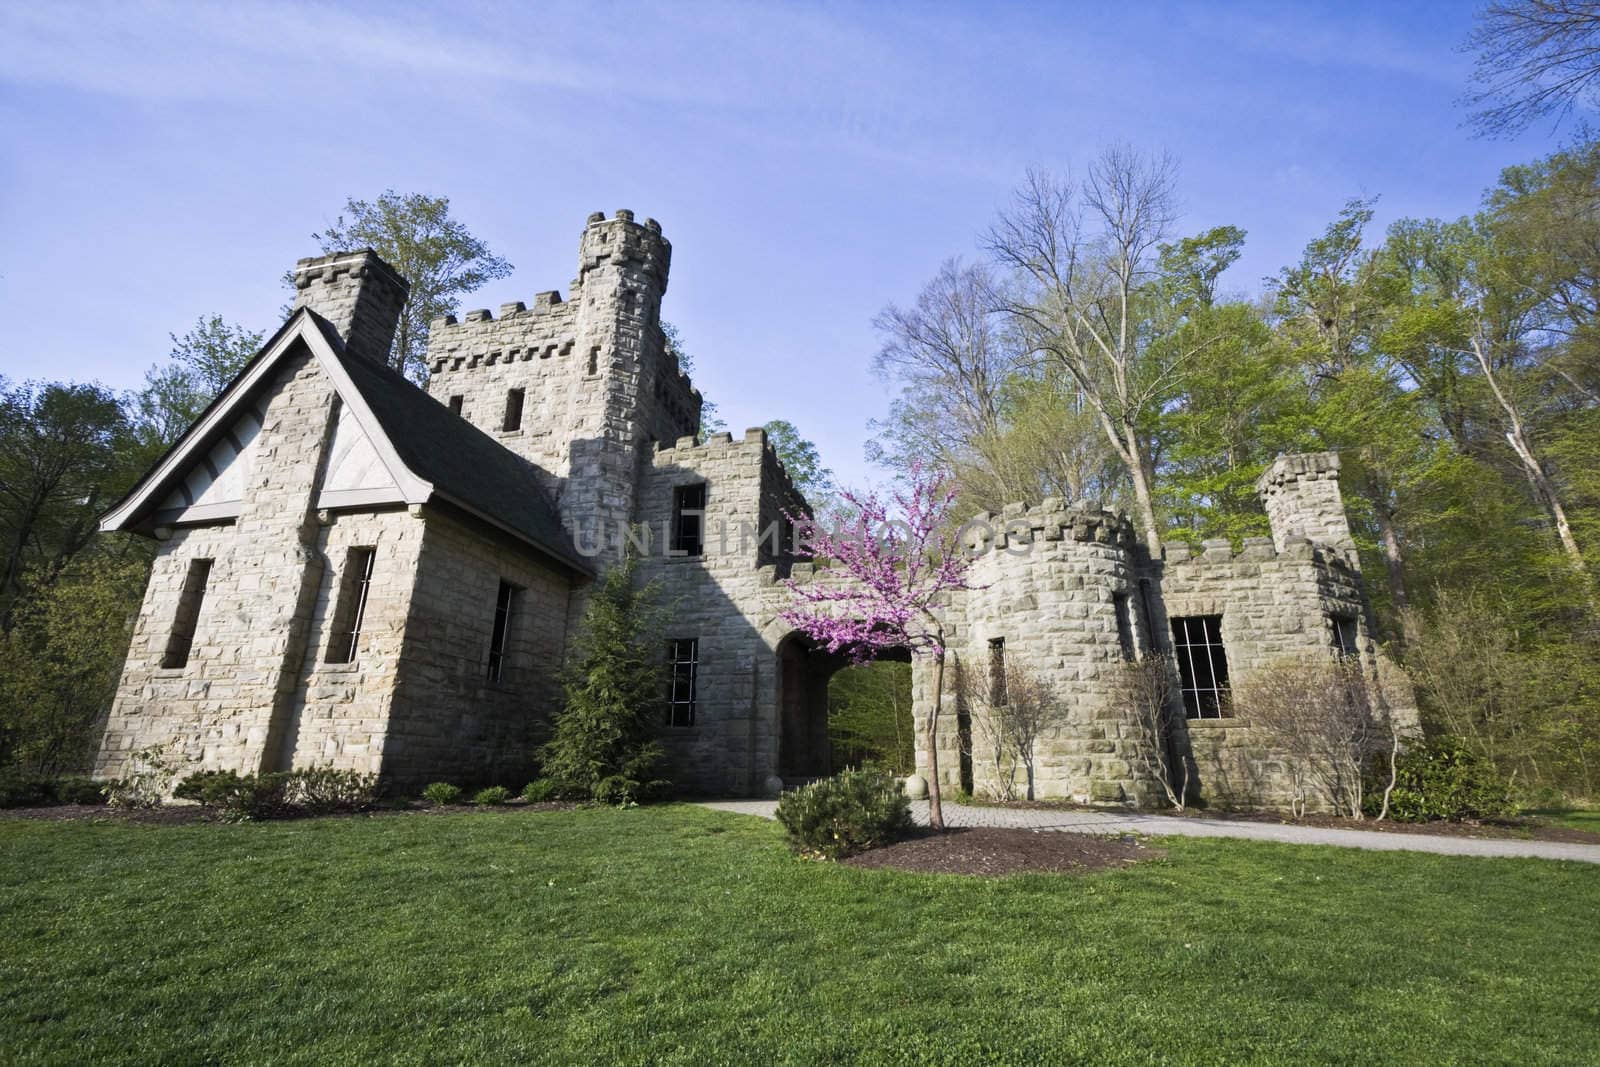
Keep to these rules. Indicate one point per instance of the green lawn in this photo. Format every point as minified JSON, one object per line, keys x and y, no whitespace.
{"x":1576,"y":818}
{"x":680,"y":935}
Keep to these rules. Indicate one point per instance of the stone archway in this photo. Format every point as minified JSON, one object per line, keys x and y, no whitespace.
{"x":804,"y":672}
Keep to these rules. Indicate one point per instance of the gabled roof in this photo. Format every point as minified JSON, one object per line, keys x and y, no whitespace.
{"x":429,"y":453}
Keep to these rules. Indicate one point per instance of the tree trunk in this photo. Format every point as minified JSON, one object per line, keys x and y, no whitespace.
{"x":1543,"y":487}
{"x":1394,"y":563}
{"x":1141,"y":491}
{"x":935,"y":809}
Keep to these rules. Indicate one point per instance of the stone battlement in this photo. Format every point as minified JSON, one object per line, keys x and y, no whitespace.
{"x":1254,"y":549}
{"x":688,"y":451}
{"x":1054,"y":519}
{"x":621,"y":241}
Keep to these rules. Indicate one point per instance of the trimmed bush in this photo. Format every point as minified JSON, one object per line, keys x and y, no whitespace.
{"x":539,"y":790}
{"x":210,"y":788}
{"x":1443,"y":781}
{"x":324,"y":790}
{"x":287,"y":794}
{"x":19,"y":790}
{"x":846,"y":814}
{"x":77,"y":790}
{"x":441,"y":793}
{"x":492,"y":797}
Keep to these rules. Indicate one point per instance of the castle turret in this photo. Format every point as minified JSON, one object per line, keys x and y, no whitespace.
{"x":1301,"y":495}
{"x":584,"y":387}
{"x":360,"y":294}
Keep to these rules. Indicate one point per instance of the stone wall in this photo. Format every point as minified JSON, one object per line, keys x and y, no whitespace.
{"x":448,"y":719}
{"x":341,"y":711}
{"x":232,"y":703}
{"x":1277,"y":606}
{"x":722,"y":598}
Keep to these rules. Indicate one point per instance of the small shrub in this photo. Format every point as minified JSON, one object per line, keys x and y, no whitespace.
{"x":154,"y":770}
{"x":210,"y":788}
{"x":441,"y":793}
{"x":324,"y":790}
{"x":492,"y":797}
{"x":1442,"y":780}
{"x":252,"y":798}
{"x":846,"y":814}
{"x":18,"y":790}
{"x":539,"y":790}
{"x":77,"y":790}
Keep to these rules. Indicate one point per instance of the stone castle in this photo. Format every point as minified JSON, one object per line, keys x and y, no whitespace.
{"x":357,"y":572}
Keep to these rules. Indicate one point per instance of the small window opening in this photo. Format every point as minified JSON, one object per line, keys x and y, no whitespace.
{"x":351,"y":607}
{"x":505,"y":606}
{"x":1202,"y":665}
{"x":513,"y":417}
{"x":455,"y":404}
{"x":1124,"y":625}
{"x":688,"y":519}
{"x":997,"y":672}
{"x":1344,"y":635}
{"x":181,"y":641}
{"x":683,"y":657}
{"x":594,"y":360}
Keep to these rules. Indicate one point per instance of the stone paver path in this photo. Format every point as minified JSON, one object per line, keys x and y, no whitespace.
{"x":1117,"y":822}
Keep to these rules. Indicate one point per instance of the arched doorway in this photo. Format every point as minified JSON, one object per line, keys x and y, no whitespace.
{"x":804,"y":672}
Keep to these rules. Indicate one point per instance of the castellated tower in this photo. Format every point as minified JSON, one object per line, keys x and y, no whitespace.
{"x":583,"y":388}
{"x":1301,"y":496}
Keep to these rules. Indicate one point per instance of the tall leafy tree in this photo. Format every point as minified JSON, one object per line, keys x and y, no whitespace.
{"x":63,"y":459}
{"x":1537,"y":59}
{"x":1087,"y":298}
{"x":801,"y":459}
{"x":436,"y":253}
{"x":203,"y":361}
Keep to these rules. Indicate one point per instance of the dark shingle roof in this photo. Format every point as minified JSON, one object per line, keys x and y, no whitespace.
{"x":466,"y":466}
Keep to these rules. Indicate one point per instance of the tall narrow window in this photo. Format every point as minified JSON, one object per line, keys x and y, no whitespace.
{"x":1124,"y":625}
{"x":997,"y":672}
{"x":594,"y":360}
{"x":688,"y":519}
{"x":1202,"y":665}
{"x":351,"y":608}
{"x":455,"y":404}
{"x":505,"y":607}
{"x":181,"y":640}
{"x":1344,"y":635}
{"x":513,"y":419}
{"x":683,"y":663}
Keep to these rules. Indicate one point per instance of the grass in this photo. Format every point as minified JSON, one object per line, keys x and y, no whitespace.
{"x":1574,"y":818}
{"x":681,"y":935}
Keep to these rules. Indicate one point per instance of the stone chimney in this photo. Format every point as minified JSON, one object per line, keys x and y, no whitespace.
{"x":1301,"y":495}
{"x":358,"y":293}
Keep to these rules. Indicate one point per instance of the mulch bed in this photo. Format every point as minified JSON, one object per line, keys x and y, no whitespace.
{"x":993,"y":851}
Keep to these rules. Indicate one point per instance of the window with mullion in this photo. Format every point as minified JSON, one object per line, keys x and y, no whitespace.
{"x":1202,"y":665}
{"x":505,"y":607}
{"x":683,"y":667}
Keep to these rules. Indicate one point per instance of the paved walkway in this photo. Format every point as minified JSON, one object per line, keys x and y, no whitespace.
{"x":1118,"y":822}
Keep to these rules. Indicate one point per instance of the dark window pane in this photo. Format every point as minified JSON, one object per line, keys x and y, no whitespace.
{"x":181,"y":640}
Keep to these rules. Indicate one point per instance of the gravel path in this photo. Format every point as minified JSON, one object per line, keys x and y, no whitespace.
{"x":1116,"y":822}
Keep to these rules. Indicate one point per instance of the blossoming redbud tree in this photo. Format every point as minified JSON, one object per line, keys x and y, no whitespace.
{"x":902,"y":556}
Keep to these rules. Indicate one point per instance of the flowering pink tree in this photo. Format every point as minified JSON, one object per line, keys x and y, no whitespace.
{"x":901,"y":564}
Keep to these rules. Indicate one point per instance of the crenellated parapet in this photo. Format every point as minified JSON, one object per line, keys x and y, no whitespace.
{"x":620,"y":241}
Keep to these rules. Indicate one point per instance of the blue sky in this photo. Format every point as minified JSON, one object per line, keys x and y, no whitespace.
{"x":810,"y":163}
